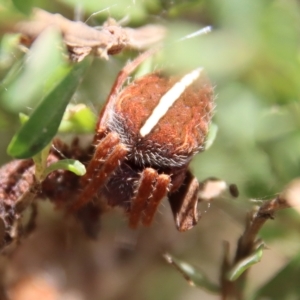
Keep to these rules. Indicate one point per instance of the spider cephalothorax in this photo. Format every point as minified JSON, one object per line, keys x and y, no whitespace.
{"x":146,"y":136}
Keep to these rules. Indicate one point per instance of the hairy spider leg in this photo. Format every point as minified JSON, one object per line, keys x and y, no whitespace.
{"x":184,"y":203}
{"x":107,"y":157}
{"x":102,"y":149}
{"x":142,"y":194}
{"x":160,"y":191}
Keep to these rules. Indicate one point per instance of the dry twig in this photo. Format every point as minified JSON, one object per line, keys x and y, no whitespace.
{"x":249,"y":241}
{"x":82,"y":40}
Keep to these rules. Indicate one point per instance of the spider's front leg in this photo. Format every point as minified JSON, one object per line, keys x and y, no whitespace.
{"x":151,"y":189}
{"x":108,"y":155}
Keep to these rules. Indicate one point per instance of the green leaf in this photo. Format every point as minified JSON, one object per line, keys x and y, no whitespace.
{"x":9,"y":46}
{"x":194,"y":276}
{"x":11,"y":76}
{"x":40,"y":159}
{"x":33,"y":76}
{"x":78,"y":118}
{"x":43,"y":124}
{"x":240,"y":267}
{"x":72,"y":165}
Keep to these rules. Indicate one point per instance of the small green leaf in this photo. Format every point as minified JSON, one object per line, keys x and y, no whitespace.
{"x":78,"y":118}
{"x":43,"y":124}
{"x":240,"y":267}
{"x":213,"y":130}
{"x":72,"y":165}
{"x":194,"y":276}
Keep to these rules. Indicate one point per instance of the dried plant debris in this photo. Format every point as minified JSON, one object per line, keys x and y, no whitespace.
{"x":16,"y":179}
{"x":19,"y":189}
{"x":82,"y":40}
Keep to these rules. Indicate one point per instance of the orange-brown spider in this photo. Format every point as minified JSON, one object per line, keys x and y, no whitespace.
{"x":146,"y":136}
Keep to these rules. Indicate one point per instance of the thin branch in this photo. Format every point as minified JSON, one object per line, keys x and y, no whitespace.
{"x":82,"y":40}
{"x":248,"y":242}
{"x":255,"y":222}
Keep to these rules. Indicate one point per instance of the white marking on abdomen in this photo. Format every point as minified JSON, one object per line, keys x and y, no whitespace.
{"x":168,"y":99}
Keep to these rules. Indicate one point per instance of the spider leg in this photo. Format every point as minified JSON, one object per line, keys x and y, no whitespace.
{"x":107,"y":157}
{"x":151,"y":189}
{"x":101,"y":152}
{"x":160,"y":191}
{"x":184,"y":203}
{"x":143,"y":192}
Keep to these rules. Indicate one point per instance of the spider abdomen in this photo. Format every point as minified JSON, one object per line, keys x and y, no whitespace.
{"x":177,"y":132}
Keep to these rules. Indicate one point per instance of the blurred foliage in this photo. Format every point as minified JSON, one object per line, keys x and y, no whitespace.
{"x":286,"y":278}
{"x":251,"y":57}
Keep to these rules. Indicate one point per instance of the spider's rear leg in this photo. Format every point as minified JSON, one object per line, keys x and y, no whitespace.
{"x":151,"y":189}
{"x":108,"y":155}
{"x":184,"y":203}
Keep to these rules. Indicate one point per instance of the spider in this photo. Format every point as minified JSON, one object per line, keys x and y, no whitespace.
{"x":146,"y":135}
